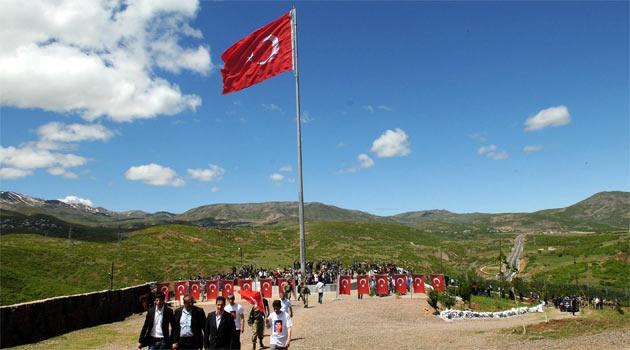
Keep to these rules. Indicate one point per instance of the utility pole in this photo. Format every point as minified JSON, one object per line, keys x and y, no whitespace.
{"x":111,"y":278}
{"x":500,"y":262}
{"x":441,"y":262}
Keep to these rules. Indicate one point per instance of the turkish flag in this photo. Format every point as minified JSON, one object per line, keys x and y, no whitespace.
{"x":382,"y":285}
{"x":245,"y":284}
{"x":266,"y":285}
{"x":400,"y":281}
{"x":212,"y":289}
{"x":165,"y":288}
{"x":344,"y":284}
{"x":438,"y":282}
{"x":253,"y":297}
{"x":363,"y":285}
{"x":418,"y":283}
{"x":227,"y":287}
{"x":281,"y":282}
{"x":195,"y":289}
{"x":263,"y":54}
{"x":180,"y":288}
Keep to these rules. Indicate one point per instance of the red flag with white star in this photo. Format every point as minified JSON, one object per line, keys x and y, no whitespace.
{"x":418,"y":283}
{"x":263,"y":54}
{"x":344,"y":285}
{"x":212,"y":289}
{"x":438,"y":282}
{"x":363,"y":285}
{"x":400,"y":281}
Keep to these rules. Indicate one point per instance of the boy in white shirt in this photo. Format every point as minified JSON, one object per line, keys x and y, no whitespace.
{"x":280,"y":323}
{"x":236,"y":310}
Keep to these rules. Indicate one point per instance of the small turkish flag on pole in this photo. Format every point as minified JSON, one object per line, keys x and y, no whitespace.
{"x":400,"y":282}
{"x":363,"y":284}
{"x":438,"y":282}
{"x":344,"y":285}
{"x":263,"y":54}
{"x":253,"y":297}
{"x":195,"y":289}
{"x":265,"y":287}
{"x":382,"y":285}
{"x":212,"y":289}
{"x":165,"y":288}
{"x":227,"y":287}
{"x":418,"y":284}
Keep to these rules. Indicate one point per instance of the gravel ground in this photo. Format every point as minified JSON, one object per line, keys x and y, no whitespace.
{"x":371,"y":323}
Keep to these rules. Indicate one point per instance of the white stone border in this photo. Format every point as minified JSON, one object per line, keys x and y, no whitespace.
{"x":450,"y":315}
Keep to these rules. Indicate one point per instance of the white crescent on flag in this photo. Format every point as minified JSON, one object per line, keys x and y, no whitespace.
{"x":266,"y":285}
{"x":246,"y":286}
{"x":180,"y":288}
{"x":362,"y":282}
{"x":400,"y":281}
{"x":275,"y":47}
{"x":344,"y":282}
{"x":164,"y":289}
{"x":436,"y":281}
{"x":381,"y":282}
{"x":194,"y":288}
{"x":417,"y":280}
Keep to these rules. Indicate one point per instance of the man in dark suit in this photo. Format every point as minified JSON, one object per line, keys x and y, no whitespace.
{"x":188,"y":325}
{"x":155,"y":331}
{"x":220,"y":328}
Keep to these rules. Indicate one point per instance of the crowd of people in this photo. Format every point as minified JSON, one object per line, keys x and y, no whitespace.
{"x":188,"y":327}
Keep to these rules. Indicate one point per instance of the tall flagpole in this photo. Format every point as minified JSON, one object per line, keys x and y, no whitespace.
{"x":299,"y":144}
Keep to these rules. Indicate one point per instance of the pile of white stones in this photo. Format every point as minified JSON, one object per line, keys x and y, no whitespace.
{"x":450,"y":315}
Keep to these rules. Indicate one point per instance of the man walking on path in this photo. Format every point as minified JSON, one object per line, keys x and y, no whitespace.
{"x":257,"y":321}
{"x":320,"y":291}
{"x":220,"y":328}
{"x":236,"y":311}
{"x":280,"y":323}
{"x":155,"y":331}
{"x":188,"y":324}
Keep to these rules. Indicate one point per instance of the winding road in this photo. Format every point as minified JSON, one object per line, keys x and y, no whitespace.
{"x":512,"y":260}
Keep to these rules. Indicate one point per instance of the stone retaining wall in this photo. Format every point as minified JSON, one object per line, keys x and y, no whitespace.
{"x":35,"y":321}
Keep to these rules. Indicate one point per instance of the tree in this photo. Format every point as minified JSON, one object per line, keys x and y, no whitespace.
{"x":448,"y":300}
{"x":433,"y":298}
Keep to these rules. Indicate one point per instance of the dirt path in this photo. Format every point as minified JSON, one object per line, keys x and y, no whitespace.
{"x":371,"y":323}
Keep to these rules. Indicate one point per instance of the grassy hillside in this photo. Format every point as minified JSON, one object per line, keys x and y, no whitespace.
{"x":594,"y":259}
{"x":35,"y":266}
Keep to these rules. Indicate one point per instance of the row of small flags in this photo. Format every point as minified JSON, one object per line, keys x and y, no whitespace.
{"x":266,"y":284}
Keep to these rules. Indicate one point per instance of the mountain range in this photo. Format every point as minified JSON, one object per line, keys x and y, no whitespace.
{"x":23,"y":213}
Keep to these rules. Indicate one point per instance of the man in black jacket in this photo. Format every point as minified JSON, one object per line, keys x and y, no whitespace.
{"x":220,"y":328}
{"x":188,"y":325}
{"x":155,"y":331}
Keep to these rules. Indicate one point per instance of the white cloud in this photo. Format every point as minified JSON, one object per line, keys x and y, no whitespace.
{"x":276,"y":177}
{"x":272,"y":107}
{"x":365,"y":161}
{"x":99,"y":58}
{"x":214,"y":173}
{"x":13,"y":173}
{"x":29,"y":157}
{"x":369,"y":108}
{"x":215,"y":189}
{"x":286,"y":168}
{"x":500,"y":155}
{"x":154,"y":174}
{"x":384,"y":108}
{"x":486,"y":149}
{"x":532,"y":148}
{"x":392,"y":143}
{"x":553,"y":116}
{"x":76,"y":200}
{"x":60,"y":132}
{"x":493,"y":152}
{"x":59,"y":171}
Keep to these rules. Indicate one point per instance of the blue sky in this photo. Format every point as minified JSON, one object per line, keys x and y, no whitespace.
{"x":465,"y":106}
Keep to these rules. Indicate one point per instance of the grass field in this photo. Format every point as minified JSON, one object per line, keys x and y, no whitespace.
{"x":34,"y":266}
{"x":589,"y":322}
{"x":594,"y":259}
